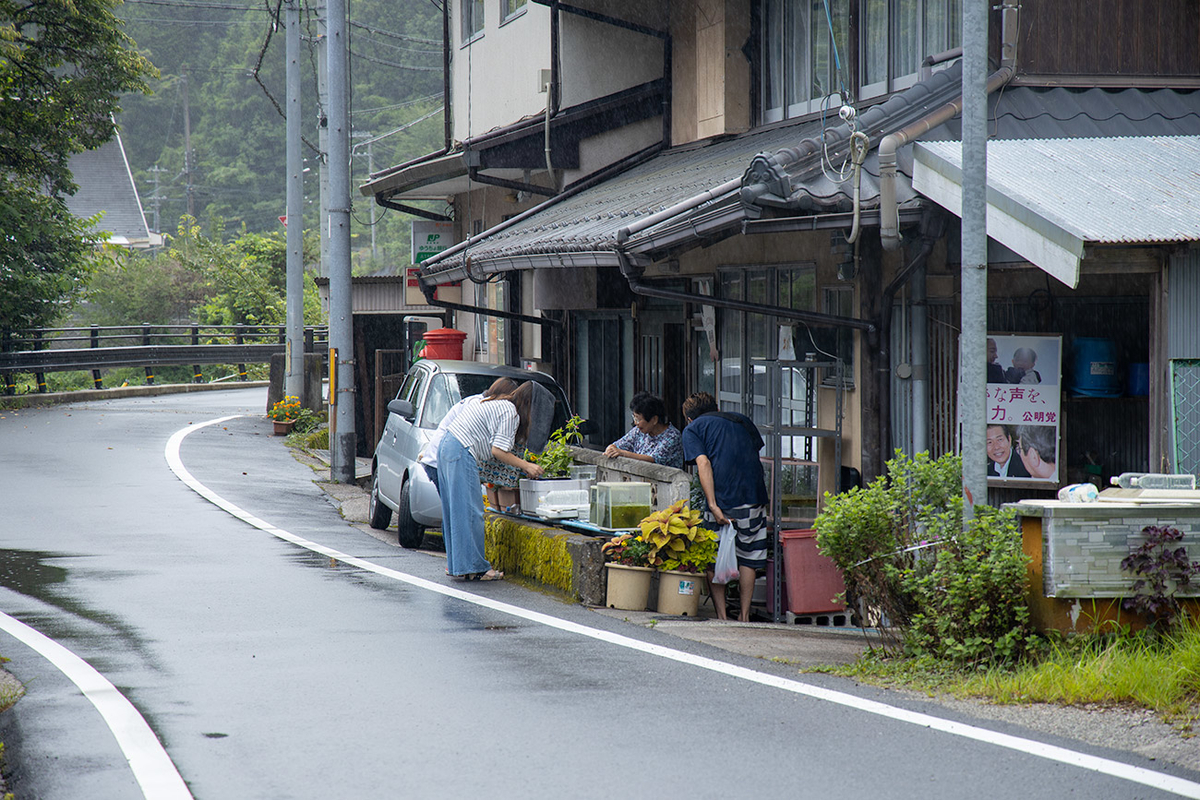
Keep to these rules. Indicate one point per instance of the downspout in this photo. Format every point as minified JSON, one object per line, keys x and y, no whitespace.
{"x":933,"y":228}
{"x":552,"y":98}
{"x":889,"y":220}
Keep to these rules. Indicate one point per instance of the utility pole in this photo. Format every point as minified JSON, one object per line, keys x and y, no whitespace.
{"x":323,"y":133}
{"x":157,"y":198}
{"x":972,"y":382}
{"x":370,"y":144}
{"x":294,"y":367}
{"x":343,"y":443}
{"x":187,"y":148}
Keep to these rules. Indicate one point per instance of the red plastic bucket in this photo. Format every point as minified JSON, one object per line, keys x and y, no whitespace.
{"x":812,"y":580}
{"x":444,"y":343}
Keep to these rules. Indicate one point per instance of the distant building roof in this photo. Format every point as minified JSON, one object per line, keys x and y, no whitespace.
{"x":106,"y":185}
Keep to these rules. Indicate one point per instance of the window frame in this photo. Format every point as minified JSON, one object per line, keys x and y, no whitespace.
{"x":472,"y":11}
{"x":507,"y":15}
{"x":794,"y":20}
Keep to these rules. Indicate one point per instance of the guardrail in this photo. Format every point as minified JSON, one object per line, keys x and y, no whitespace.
{"x":99,"y":347}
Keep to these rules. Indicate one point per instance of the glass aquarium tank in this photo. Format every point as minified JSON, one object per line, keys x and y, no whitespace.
{"x":620,"y":504}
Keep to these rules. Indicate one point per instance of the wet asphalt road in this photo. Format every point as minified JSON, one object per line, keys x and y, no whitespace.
{"x":270,"y":671}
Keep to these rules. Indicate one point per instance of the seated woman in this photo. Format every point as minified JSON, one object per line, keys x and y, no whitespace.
{"x":652,"y":438}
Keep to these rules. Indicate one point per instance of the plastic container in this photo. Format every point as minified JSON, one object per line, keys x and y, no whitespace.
{"x":585,"y":472}
{"x":444,"y":343}
{"x":1094,"y":368}
{"x":562,"y":504}
{"x":533,"y":493}
{"x":618,"y":505}
{"x":812,"y":580}
{"x":1079,"y":493}
{"x":1144,"y":480}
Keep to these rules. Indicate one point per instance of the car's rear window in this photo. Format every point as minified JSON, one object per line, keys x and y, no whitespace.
{"x":448,"y":388}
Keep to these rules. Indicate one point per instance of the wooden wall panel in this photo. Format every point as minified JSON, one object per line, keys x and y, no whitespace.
{"x":1118,"y":38}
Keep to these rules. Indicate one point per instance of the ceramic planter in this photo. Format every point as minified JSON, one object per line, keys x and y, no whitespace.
{"x":283,"y":426}
{"x":679,"y":593}
{"x":628,"y":587}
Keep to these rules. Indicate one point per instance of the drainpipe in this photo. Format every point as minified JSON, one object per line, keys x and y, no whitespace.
{"x":889,"y":219}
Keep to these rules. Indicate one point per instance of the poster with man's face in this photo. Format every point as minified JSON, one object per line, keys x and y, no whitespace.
{"x":1024,"y":381}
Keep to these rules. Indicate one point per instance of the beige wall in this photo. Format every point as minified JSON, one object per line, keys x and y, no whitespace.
{"x":711,"y":77}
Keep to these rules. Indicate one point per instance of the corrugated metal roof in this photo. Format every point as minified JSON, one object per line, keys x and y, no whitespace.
{"x":1110,"y":190}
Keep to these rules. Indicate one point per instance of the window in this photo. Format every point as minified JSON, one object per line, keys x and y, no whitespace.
{"x":511,"y":8}
{"x":897,"y":35}
{"x":472,"y":19}
{"x":801,"y":68}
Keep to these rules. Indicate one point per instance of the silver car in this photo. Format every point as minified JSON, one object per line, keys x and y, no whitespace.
{"x":398,"y":483}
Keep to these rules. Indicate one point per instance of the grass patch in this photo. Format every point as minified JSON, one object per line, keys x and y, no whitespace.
{"x":1158,"y":672}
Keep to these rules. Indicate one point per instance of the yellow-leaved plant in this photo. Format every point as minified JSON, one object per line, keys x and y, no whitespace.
{"x":669,"y":532}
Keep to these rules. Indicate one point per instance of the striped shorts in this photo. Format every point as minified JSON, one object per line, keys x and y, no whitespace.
{"x":751,"y":545}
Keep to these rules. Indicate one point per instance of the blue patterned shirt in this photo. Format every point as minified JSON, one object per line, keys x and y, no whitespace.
{"x":665,"y":449}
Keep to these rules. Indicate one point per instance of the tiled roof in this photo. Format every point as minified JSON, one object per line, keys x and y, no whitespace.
{"x":106,"y":185}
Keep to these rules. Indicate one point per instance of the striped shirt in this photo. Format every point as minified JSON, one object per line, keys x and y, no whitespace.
{"x":482,"y":426}
{"x":428,"y":454}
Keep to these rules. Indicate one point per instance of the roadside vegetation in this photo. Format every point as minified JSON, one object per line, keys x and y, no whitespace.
{"x":947,"y":613}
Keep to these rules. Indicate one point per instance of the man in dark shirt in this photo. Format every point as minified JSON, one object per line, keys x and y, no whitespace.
{"x":725,"y":447}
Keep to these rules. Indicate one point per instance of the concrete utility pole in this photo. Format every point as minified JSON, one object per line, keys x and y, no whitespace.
{"x":323,"y":133}
{"x":972,"y":382}
{"x":187,"y":148}
{"x":294,"y":366}
{"x":344,"y":438}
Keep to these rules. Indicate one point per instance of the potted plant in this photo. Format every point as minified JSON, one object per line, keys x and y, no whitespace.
{"x":284,"y":414}
{"x":681,"y":549}
{"x":629,"y":573}
{"x":556,"y":459}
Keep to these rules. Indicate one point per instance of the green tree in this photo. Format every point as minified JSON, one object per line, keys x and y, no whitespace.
{"x":63,"y":65}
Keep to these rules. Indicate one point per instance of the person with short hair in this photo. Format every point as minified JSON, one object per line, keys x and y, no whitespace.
{"x":1038,"y":450}
{"x":652,"y":438}
{"x":1002,"y":459}
{"x":724,"y":446}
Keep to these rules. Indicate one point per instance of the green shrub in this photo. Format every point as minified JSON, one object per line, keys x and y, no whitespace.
{"x":909,"y":565}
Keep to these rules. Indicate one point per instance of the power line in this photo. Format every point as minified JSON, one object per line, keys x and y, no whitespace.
{"x":391,"y":35}
{"x":189,"y":4}
{"x":394,"y":64}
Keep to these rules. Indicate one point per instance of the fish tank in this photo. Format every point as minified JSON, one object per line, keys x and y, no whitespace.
{"x":620,"y":505}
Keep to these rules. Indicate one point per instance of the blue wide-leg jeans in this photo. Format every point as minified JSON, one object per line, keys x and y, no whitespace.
{"x":462,"y":508}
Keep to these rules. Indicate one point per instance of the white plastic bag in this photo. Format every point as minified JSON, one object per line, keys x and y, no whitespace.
{"x":726,"y":568}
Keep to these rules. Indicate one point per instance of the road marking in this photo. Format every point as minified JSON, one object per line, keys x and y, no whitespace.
{"x":1104,"y":766}
{"x":151,"y":765}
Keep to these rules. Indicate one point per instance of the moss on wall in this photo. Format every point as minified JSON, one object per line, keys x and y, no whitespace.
{"x":539,"y":554}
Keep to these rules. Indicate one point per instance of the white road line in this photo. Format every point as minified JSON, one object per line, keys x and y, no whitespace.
{"x":1105,"y":766}
{"x":151,"y":765}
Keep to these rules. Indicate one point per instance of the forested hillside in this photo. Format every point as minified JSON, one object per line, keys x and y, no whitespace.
{"x":222,"y":85}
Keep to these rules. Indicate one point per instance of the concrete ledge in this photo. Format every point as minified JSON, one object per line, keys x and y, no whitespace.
{"x":55,"y":398}
{"x":564,"y":562}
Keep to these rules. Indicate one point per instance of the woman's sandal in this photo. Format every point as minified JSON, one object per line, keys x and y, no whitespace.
{"x":490,"y":575}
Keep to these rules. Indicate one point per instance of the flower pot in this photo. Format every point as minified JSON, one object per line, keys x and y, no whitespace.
{"x":283,"y":426}
{"x":628,"y":587}
{"x":679,"y":593}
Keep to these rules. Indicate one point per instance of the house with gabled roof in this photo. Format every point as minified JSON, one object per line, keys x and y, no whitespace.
{"x":707,"y":186}
{"x":106,"y":188}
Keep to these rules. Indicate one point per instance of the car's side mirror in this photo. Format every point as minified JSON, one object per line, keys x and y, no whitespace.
{"x":588,"y":427}
{"x":403,"y":408}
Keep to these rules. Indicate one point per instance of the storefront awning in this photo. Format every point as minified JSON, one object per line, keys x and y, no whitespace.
{"x":1047,"y":198}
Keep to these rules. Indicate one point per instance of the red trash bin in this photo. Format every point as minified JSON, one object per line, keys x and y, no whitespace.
{"x":812,"y":580}
{"x":444,"y":343}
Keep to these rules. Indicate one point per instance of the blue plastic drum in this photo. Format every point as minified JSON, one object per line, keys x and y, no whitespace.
{"x":1094,"y":368}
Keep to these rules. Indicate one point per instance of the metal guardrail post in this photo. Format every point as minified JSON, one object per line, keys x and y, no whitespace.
{"x":10,"y":387}
{"x":40,"y":377}
{"x":146,"y":342}
{"x":95,"y":343}
{"x":239,"y":338}
{"x":197,"y":376}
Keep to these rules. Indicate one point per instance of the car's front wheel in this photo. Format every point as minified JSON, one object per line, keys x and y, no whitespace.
{"x":409,"y":532}
{"x":381,"y":515}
